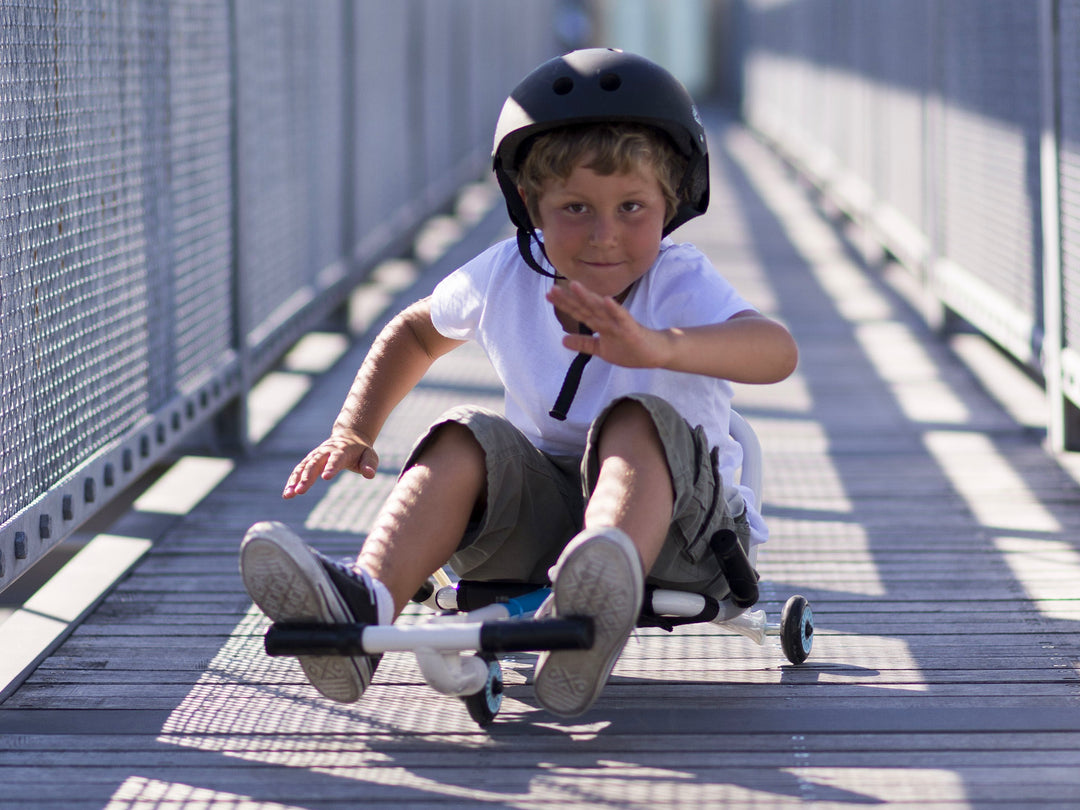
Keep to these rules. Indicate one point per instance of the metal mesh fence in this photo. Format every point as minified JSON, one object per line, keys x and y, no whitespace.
{"x":989,"y":182}
{"x":899,"y":60}
{"x":927,"y":120}
{"x":200,"y":185}
{"x":81,"y":323}
{"x":185,"y":185}
{"x":841,"y":88}
{"x":284,"y":138}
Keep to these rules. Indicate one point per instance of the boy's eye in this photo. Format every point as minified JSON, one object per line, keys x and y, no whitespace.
{"x":629,"y":207}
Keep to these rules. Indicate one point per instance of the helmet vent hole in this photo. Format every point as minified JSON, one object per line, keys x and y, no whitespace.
{"x":610,"y":82}
{"x":563,"y":85}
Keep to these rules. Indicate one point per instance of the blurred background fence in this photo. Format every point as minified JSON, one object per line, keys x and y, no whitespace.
{"x":186,"y":186}
{"x":951,"y":130}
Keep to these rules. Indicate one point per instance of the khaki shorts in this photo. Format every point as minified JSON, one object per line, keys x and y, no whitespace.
{"x":536,"y":502}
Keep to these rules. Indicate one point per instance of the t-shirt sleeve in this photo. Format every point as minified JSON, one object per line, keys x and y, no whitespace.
{"x":697,"y":294}
{"x":457,"y":302}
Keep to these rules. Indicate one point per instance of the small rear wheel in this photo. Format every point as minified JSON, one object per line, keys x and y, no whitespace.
{"x":797,"y":629}
{"x":485,"y":704}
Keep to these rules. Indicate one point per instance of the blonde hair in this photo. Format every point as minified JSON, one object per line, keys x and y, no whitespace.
{"x":605,"y":149}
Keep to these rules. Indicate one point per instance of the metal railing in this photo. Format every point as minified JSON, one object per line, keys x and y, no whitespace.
{"x":186,"y":186}
{"x":950,"y":129}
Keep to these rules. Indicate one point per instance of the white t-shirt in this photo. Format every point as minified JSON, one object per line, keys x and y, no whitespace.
{"x":498,"y":301}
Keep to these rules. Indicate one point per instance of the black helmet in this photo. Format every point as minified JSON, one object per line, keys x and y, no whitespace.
{"x":594,"y":86}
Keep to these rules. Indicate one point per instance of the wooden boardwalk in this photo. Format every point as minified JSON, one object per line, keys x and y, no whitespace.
{"x":935,"y":538}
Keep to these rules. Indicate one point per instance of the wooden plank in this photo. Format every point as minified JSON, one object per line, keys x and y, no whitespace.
{"x":461,"y":749}
{"x":32,"y":632}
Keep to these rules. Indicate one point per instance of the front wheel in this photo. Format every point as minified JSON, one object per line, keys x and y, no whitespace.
{"x":797,"y":629}
{"x":485,"y":704}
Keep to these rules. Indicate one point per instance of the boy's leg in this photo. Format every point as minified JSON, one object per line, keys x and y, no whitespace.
{"x":422,"y":522}
{"x":633,"y":491}
{"x":417,"y":529}
{"x":601,"y":572}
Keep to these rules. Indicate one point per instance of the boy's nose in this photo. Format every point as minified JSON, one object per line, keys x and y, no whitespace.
{"x":603,"y":230}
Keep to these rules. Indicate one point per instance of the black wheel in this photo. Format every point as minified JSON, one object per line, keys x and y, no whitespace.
{"x":485,"y":704}
{"x":797,"y":629}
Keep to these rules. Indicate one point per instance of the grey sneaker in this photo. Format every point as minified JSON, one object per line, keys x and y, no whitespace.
{"x":598,"y":575}
{"x":291,"y":582}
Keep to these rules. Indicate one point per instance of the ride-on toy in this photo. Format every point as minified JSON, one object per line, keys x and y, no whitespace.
{"x":489,"y":618}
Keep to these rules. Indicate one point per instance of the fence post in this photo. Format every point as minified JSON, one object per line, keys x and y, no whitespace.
{"x":1063,"y":419}
{"x":231,"y":423}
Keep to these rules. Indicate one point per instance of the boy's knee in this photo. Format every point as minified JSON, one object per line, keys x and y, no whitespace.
{"x":455,"y":440}
{"x":453,"y":452}
{"x":639,"y":428}
{"x":628,"y":418}
{"x":627,"y":409}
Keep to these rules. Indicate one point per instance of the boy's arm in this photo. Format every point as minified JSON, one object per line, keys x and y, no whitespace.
{"x":746,"y":348}
{"x":400,"y":356}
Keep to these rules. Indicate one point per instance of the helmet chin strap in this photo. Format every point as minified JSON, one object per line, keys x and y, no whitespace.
{"x":571,"y":381}
{"x":525,"y":238}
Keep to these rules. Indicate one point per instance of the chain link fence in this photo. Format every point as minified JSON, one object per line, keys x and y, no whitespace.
{"x":951,"y":130}
{"x":188,"y":185}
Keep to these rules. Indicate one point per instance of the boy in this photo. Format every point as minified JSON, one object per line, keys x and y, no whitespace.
{"x":600,"y":155}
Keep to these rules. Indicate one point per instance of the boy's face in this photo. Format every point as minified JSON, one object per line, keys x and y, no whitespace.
{"x":603,"y":231}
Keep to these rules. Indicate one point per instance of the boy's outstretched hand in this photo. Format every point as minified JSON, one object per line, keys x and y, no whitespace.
{"x":617,"y":337}
{"x":342,"y":451}
{"x":746,"y":348}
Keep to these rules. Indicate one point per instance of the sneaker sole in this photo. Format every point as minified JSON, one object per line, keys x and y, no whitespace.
{"x":601,"y":578}
{"x":288,"y":584}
